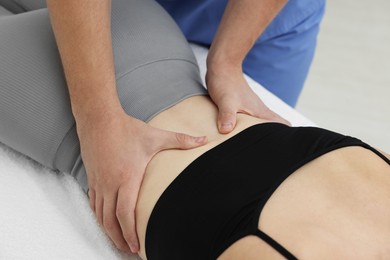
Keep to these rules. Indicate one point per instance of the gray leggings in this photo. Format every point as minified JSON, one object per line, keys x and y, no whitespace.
{"x":154,"y":67}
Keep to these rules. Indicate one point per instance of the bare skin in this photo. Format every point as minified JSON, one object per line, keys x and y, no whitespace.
{"x":335,"y":207}
{"x":83,"y":34}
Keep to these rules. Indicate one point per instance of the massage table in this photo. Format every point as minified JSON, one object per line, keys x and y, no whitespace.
{"x":45,"y":215}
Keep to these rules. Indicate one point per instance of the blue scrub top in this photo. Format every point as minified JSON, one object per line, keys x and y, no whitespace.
{"x":281,"y":57}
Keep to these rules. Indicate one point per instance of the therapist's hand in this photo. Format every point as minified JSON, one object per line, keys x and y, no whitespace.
{"x":231,"y":93}
{"x":116,"y":150}
{"x":242,"y":24}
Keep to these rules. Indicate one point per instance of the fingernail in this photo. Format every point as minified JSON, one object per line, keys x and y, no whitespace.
{"x":226,"y":126}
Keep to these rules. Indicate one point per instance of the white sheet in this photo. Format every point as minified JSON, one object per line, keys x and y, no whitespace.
{"x":47,"y":216}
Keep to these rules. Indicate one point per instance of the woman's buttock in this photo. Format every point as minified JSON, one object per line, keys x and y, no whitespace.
{"x":337,"y":206}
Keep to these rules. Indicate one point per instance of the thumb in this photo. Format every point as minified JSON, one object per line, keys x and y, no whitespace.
{"x":182,"y":141}
{"x":226,"y":119}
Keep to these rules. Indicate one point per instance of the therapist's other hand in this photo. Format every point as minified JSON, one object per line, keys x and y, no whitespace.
{"x":115,"y":151}
{"x":231,"y":93}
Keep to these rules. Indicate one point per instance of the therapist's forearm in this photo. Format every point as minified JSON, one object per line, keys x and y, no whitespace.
{"x":241,"y":25}
{"x":83,"y":34}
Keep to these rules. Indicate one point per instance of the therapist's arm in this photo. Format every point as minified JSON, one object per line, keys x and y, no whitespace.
{"x":115,"y":147}
{"x":241,"y":25}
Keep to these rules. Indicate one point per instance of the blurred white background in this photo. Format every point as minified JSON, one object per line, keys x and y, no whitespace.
{"x":348,"y":88}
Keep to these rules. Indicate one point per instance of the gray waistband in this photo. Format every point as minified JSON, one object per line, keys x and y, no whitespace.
{"x":160,"y":85}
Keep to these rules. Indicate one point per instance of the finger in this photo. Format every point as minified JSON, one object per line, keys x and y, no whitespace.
{"x":226,"y":118}
{"x":181,"y":141}
{"x":125,"y":212}
{"x":111,"y":224}
{"x":92,"y":198}
{"x":99,"y":208}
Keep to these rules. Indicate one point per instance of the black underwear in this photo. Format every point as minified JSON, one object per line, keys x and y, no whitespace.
{"x":219,"y":197}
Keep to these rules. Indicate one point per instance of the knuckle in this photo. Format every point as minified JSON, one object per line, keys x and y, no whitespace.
{"x":122,"y":212}
{"x":227,"y":114}
{"x":108,"y":224}
{"x":182,"y":138}
{"x":110,"y":181}
{"x":106,"y":181}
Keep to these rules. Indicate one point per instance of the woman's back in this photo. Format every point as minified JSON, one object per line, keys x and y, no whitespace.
{"x":337,"y":204}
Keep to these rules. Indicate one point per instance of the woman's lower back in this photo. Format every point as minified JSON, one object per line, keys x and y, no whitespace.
{"x":336,"y":205}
